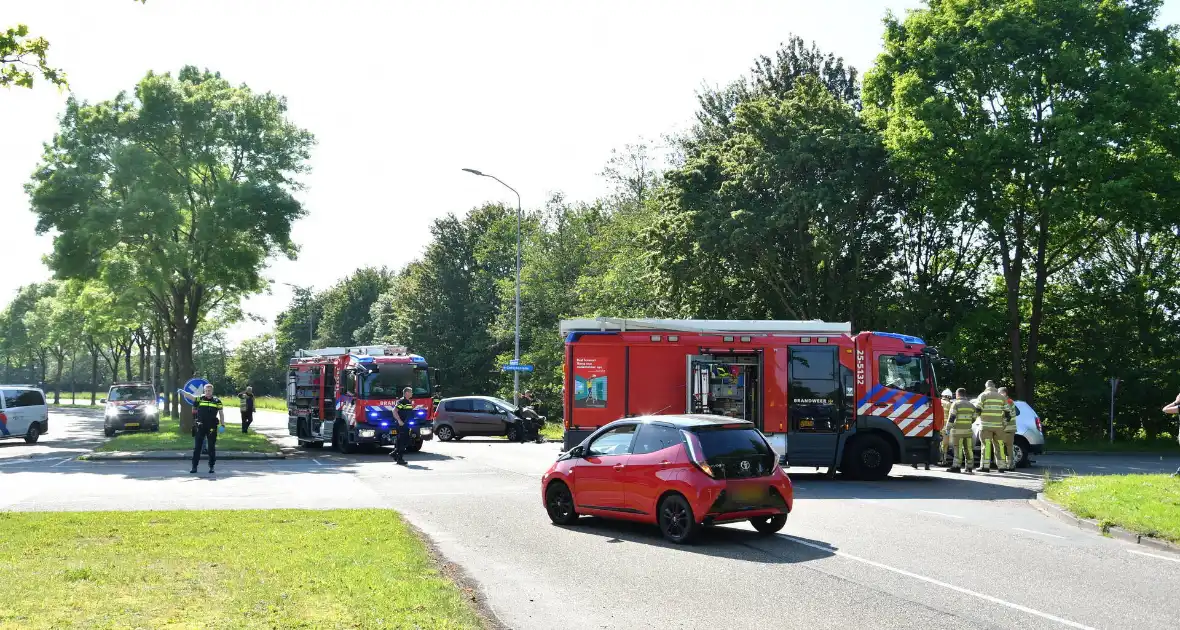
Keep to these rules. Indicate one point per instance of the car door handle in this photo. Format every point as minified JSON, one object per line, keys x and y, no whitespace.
{"x":665,"y":463}
{"x":618,"y":467}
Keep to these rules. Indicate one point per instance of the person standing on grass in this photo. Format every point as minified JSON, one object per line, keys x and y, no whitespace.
{"x":247,"y":407}
{"x":210,"y":416}
{"x":1174,"y":409}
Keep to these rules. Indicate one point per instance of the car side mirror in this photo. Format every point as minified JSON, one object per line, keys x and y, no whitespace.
{"x":577,"y":451}
{"x":102,"y":401}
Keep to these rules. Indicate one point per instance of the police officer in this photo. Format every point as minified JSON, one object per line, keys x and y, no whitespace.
{"x":209,"y":416}
{"x":1009,"y":430}
{"x":402,"y":413}
{"x":993,"y":411}
{"x":962,"y":416}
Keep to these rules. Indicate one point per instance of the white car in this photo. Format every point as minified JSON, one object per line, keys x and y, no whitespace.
{"x":23,"y":413}
{"x":1029,"y":439}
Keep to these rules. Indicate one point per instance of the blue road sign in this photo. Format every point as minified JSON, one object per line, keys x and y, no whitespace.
{"x":192,"y":389}
{"x":517,"y":368}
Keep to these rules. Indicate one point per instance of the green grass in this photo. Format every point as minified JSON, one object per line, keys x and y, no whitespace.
{"x":1159,"y":445}
{"x":553,"y":431}
{"x":169,"y":438}
{"x":1145,"y":504}
{"x":270,"y":403}
{"x":222,"y":569}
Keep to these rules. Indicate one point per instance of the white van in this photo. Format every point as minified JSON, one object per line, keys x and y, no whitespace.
{"x":23,"y":413}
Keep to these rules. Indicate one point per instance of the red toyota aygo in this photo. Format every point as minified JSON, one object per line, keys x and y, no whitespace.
{"x":679,"y":472}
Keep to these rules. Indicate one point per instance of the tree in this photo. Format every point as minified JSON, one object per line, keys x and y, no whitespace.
{"x":22,"y":58}
{"x":256,"y":363}
{"x":183,"y":188}
{"x":1052,"y":124}
{"x":788,"y":214}
{"x":345,"y":307}
{"x":57,"y":319}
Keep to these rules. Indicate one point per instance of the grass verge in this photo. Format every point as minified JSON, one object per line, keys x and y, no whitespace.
{"x":553,"y":431}
{"x":169,"y":438}
{"x":270,"y":403}
{"x":223,"y":569}
{"x":1145,"y":504}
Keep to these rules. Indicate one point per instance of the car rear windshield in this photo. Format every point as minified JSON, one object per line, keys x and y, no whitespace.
{"x":729,"y":447}
{"x":132,"y":393}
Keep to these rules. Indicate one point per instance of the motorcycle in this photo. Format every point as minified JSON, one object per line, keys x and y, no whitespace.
{"x":531,"y":422}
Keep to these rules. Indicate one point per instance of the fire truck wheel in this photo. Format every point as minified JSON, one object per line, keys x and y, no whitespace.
{"x":340,"y":440}
{"x":444,"y":433}
{"x":415,"y":446}
{"x":869,"y":459}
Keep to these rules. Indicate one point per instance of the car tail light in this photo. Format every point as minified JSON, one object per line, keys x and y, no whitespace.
{"x":3,"y":418}
{"x":1039,"y":429}
{"x":696,"y":453}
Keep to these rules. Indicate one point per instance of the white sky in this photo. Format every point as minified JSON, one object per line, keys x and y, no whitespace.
{"x":401,"y":95}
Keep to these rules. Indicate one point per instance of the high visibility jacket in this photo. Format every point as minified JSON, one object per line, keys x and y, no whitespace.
{"x":963,"y":413}
{"x":992,"y":409}
{"x":946,"y":414}
{"x":1010,"y":408}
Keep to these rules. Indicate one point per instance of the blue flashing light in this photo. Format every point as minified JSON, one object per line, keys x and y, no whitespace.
{"x":384,"y":424}
{"x":421,"y":413}
{"x":572,"y":337}
{"x":417,"y":359}
{"x":905,"y":338}
{"x":412,"y":423}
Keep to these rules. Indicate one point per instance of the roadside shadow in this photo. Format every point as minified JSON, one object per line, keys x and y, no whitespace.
{"x":719,"y":541}
{"x":980,"y":487}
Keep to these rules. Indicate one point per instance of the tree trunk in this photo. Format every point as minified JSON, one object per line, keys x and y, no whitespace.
{"x":127,"y":357}
{"x":74,"y":376}
{"x":184,"y":368}
{"x":61,"y":363}
{"x":93,"y":371}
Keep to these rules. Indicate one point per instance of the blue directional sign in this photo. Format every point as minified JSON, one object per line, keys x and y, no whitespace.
{"x":192,"y":389}
{"x":517,"y":368}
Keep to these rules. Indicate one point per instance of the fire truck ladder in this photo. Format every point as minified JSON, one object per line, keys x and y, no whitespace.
{"x":708,"y":326}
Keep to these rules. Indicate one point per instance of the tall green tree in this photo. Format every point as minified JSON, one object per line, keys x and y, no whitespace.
{"x":256,"y":363}
{"x":183,"y":188}
{"x":344,"y":308}
{"x":1052,"y":123}
{"x":787,"y":216}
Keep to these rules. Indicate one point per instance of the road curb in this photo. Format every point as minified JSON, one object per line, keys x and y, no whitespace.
{"x":174,"y":455}
{"x":1058,"y":512}
{"x":1171,"y":453}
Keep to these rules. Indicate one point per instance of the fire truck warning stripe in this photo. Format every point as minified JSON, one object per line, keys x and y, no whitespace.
{"x":869,"y":396}
{"x":899,"y":412}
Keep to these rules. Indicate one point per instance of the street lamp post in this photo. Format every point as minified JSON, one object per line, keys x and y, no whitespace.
{"x":310,"y":317}
{"x":516,"y":352}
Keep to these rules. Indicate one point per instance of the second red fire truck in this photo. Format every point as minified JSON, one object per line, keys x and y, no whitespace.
{"x":823,"y":396}
{"x":346,"y":396}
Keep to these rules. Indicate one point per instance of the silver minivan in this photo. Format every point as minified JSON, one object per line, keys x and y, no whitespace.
{"x":23,"y":413}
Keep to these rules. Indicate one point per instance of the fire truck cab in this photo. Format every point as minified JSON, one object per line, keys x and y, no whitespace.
{"x":823,"y":396}
{"x":346,"y":396}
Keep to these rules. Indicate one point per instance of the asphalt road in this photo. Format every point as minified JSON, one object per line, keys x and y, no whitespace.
{"x":921,"y":549}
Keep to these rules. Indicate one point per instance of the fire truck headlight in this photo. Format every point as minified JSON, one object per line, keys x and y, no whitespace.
{"x":367,"y":433}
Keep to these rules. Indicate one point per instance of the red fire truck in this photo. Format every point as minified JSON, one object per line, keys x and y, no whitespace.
{"x":346,"y":396}
{"x":823,"y":396}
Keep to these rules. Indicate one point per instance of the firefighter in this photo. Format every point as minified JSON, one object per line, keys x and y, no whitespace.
{"x":1009,"y":430}
{"x":947,"y":402}
{"x":962,"y":416}
{"x":402,"y":412}
{"x":992,"y":413}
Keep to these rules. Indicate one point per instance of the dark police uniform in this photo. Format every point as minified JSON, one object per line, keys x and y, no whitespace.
{"x":205,"y":429}
{"x":247,"y":409}
{"x":405,"y":410}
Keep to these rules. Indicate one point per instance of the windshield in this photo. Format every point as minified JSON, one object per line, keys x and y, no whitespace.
{"x":725,"y":443}
{"x":503,"y":404}
{"x":904,"y":372}
{"x":389,"y":382}
{"x":131,"y":393}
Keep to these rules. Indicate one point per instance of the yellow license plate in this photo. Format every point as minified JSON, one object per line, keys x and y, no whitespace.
{"x":131,"y":425}
{"x":749,"y":494}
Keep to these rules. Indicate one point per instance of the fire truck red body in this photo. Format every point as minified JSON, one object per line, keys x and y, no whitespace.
{"x":346,"y":396}
{"x":823,"y":396}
